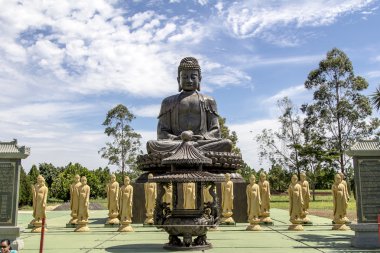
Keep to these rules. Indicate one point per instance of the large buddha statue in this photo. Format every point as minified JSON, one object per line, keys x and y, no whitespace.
{"x":188,"y":111}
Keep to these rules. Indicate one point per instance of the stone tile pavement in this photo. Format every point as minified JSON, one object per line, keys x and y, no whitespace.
{"x":316,"y":238}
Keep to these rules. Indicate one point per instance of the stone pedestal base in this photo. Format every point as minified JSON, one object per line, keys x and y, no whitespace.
{"x":13,"y":234}
{"x":113,"y":221}
{"x":340,"y":224}
{"x":125,"y":227}
{"x":342,"y":227}
{"x":149,"y":221}
{"x":227,"y":219}
{"x":70,"y":225}
{"x":37,"y":227}
{"x":295,"y":227}
{"x":366,"y":236}
{"x":254,"y":227}
{"x":82,"y":226}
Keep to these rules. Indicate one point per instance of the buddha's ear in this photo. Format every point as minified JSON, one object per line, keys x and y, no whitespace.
{"x":179,"y":85}
{"x":199,"y":84}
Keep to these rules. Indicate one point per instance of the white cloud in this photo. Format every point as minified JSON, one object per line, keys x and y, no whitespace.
{"x":150,"y":111}
{"x":265,"y":18}
{"x":91,"y":48}
{"x":373,"y":74}
{"x":246,"y":133}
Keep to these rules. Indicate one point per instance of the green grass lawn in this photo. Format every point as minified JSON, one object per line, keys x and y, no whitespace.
{"x":322,"y":202}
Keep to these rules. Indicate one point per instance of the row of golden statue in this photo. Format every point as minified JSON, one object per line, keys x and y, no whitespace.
{"x":120,"y":201}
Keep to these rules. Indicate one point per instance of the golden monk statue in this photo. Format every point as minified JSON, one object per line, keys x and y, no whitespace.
{"x":295,"y":204}
{"x":150,"y":200}
{"x":188,"y":111}
{"x":74,"y":199}
{"x":345,"y":184}
{"x":265,"y":198}
{"x":188,"y":195}
{"x":83,"y":205}
{"x":126,"y":203}
{"x":253,"y":204}
{"x":168,"y":196}
{"x":113,"y":201}
{"x":207,"y":197}
{"x":340,"y":199}
{"x":227,"y":200}
{"x":305,"y":196}
{"x":40,"y":193}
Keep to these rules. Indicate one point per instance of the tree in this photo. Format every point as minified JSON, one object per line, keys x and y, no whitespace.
{"x":246,"y":171}
{"x":279,"y":178}
{"x":25,"y":194}
{"x":375,"y":99}
{"x":125,"y":146}
{"x":33,"y":174}
{"x":339,"y":111}
{"x":49,"y":172}
{"x":226,"y":134}
{"x":280,"y":146}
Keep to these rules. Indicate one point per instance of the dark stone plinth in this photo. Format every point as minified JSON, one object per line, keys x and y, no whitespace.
{"x":69,"y":225}
{"x":307,"y":223}
{"x":190,"y":248}
{"x":366,"y":236}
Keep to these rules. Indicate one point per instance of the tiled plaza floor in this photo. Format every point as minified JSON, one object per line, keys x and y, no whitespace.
{"x":316,"y":238}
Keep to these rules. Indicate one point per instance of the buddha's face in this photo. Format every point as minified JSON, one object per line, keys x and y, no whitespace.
{"x":189,"y":80}
{"x":263,"y":177}
{"x":227,"y":177}
{"x":303,"y":177}
{"x":83,"y":180}
{"x":113,"y":178}
{"x":76,"y":178}
{"x":338,"y":178}
{"x":294,"y":179}
{"x":252,"y":179}
{"x":127,"y":180}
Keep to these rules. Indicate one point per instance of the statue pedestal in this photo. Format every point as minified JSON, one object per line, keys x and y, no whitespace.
{"x":113,"y":220}
{"x":265,"y":219}
{"x":227,"y":219}
{"x":125,"y":227}
{"x":82,"y":227}
{"x":340,"y":224}
{"x":72,"y":223}
{"x":296,"y":225}
{"x":254,"y":225}
{"x":149,"y":220}
{"x":37,"y":227}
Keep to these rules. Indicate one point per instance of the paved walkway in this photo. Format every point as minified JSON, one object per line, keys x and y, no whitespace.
{"x":316,"y":238}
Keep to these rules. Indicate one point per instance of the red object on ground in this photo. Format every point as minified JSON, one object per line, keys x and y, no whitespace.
{"x":42,"y":236}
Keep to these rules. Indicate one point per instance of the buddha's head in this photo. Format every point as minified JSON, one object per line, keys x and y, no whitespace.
{"x":76,"y":178}
{"x":341,"y":175}
{"x":227,"y":177}
{"x":263,"y":176}
{"x":40,"y":180}
{"x":294,"y":179}
{"x":338,"y":178}
{"x":150,"y":176}
{"x":303,"y":176}
{"x":113,"y":178}
{"x":252,"y":179}
{"x":83,"y":180}
{"x":127,"y":181}
{"x":189,"y":74}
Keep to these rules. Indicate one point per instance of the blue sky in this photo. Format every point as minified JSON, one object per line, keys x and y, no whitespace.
{"x":64,"y":64}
